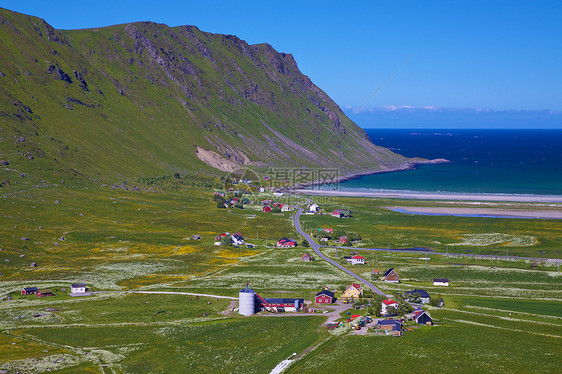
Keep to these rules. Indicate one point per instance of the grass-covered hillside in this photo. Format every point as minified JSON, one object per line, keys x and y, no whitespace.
{"x":142,"y":99}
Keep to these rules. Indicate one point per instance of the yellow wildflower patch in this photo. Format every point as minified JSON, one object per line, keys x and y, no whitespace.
{"x":148,"y":280}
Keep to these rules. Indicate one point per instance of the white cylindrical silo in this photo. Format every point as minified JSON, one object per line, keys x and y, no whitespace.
{"x":246,"y":301}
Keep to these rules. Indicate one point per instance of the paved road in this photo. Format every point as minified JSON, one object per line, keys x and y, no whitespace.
{"x":316,"y":248}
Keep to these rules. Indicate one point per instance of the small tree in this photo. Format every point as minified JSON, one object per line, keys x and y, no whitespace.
{"x":226,"y":241}
{"x":436,"y":300}
{"x":391,"y":311}
{"x":377,"y":307}
{"x":404,"y":308}
{"x":305,"y":243}
{"x":415,"y":298}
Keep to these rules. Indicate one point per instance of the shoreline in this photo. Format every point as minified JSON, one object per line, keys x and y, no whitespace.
{"x":433,"y":195}
{"x":408,"y":165}
{"x":479,"y":212}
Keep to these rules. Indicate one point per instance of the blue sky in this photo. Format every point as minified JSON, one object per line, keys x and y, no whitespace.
{"x":502,"y":55}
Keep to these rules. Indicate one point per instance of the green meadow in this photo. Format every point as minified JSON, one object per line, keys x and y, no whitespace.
{"x":499,"y":316}
{"x":383,"y":228}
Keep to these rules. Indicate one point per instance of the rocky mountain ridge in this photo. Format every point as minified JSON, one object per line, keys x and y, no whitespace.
{"x":117,"y":102}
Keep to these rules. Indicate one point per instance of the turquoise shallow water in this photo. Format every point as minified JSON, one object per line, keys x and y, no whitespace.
{"x":527,"y":162}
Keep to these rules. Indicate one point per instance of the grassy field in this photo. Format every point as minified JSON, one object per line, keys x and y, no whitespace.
{"x":499,"y":316}
{"x":115,"y":239}
{"x":380,"y":228}
{"x":452,"y":347}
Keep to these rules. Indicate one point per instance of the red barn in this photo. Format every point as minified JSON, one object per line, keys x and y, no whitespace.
{"x":43,"y":293}
{"x":267,"y":209}
{"x":29,"y":291}
{"x":286,"y":243}
{"x":325,"y":297}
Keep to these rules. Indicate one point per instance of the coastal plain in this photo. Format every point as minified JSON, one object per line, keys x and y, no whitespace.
{"x":120,"y":242}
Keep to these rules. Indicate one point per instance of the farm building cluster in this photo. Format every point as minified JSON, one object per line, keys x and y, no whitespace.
{"x":250,"y":302}
{"x":76,"y":289}
{"x":337,"y":237}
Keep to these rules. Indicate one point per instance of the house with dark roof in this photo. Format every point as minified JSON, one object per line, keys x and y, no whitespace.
{"x":29,"y":290}
{"x":391,"y":276}
{"x":237,"y":239}
{"x":423,"y":318}
{"x":78,"y":288}
{"x":341,"y":213}
{"x":282,"y":304}
{"x":416,"y":311}
{"x":424,"y":296}
{"x":286,"y":243}
{"x":325,"y":297}
{"x":390,"y":324}
{"x":43,"y":293}
{"x":440,"y":282}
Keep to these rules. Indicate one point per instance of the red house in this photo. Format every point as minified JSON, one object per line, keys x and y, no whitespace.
{"x":391,"y":276}
{"x":267,"y":209}
{"x":306,"y":257}
{"x":43,"y":293}
{"x":357,"y":260}
{"x":341,"y":213}
{"x":286,"y":243}
{"x":325,"y":297}
{"x":220,"y":236}
{"x":29,"y":291}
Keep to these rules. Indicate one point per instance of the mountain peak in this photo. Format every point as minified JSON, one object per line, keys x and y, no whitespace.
{"x":145,"y":99}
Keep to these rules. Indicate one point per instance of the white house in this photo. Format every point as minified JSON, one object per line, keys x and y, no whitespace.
{"x":357,"y":260}
{"x":237,"y":239}
{"x":262,"y":189}
{"x":286,"y":208}
{"x":78,"y":288}
{"x":440,"y":282}
{"x":387,"y":304}
{"x":313,"y":207}
{"x":424,"y":296}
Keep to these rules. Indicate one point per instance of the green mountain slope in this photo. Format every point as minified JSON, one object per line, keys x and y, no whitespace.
{"x":119,"y":102}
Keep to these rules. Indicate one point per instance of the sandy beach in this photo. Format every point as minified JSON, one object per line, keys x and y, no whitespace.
{"x":513,"y":213}
{"x":434,"y":196}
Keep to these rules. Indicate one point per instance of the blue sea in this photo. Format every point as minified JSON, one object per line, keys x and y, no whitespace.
{"x":527,"y":162}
